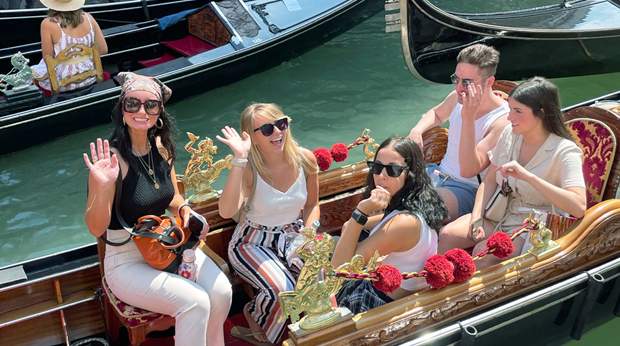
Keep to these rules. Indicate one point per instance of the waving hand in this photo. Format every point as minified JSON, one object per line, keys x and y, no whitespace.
{"x":239,"y":146}
{"x":104,"y":167}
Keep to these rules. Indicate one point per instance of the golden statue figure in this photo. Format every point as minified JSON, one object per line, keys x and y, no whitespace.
{"x":369,"y":143}
{"x":195,"y":177}
{"x":540,"y":237}
{"x":312,"y":293}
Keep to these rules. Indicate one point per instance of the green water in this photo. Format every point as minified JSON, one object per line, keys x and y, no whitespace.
{"x":358,"y":80}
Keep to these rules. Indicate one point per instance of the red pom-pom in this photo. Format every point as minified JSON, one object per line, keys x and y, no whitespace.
{"x":502,"y":244}
{"x":339,"y":152}
{"x":464,"y":266}
{"x":439,"y":271}
{"x":323,"y":158}
{"x":389,"y":278}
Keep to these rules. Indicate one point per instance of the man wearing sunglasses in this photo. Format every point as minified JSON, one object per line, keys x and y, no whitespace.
{"x":477,"y":117}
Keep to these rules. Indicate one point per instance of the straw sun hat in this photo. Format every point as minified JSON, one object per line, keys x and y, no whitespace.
{"x":63,"y":5}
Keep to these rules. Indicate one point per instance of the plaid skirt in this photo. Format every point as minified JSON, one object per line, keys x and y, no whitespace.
{"x":361,"y":295}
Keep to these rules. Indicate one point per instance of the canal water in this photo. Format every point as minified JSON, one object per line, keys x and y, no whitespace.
{"x":332,"y":93}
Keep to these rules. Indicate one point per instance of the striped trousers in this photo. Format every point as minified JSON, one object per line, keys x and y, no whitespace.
{"x":257,"y":253}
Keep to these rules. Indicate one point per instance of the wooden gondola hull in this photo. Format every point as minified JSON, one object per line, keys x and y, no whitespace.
{"x":432,"y":39}
{"x":28,"y":128}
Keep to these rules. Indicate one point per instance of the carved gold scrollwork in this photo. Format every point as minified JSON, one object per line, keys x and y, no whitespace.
{"x":197,"y":179}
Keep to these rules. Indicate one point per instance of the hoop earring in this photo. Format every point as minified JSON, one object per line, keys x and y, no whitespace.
{"x":159,"y":123}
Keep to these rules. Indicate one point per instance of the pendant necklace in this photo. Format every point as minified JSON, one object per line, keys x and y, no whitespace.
{"x":149,"y":167}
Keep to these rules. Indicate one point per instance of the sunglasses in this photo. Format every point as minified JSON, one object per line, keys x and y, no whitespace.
{"x":506,"y":189}
{"x":464,"y":82}
{"x":267,"y":129}
{"x":132,"y":105}
{"x":392,"y":170}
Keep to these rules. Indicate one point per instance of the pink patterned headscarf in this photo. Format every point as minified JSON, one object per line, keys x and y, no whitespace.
{"x":131,"y":82}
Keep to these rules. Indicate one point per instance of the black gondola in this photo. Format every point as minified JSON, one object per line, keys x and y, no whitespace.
{"x":108,"y":13}
{"x":251,"y":36}
{"x":569,"y":39}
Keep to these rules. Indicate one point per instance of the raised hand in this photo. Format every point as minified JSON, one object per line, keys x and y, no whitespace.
{"x":104,"y":167}
{"x":378,"y":200}
{"x":239,"y":146}
{"x":471,"y":100}
{"x":514,"y":169}
{"x":417,"y":138}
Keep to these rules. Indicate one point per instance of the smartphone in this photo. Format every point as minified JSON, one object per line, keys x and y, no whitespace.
{"x":474,"y":227}
{"x":196,"y":223}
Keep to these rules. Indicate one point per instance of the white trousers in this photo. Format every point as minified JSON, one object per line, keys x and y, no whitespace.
{"x":200,"y":308}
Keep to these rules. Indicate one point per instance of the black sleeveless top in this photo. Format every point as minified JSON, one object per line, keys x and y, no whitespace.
{"x":139,"y":196}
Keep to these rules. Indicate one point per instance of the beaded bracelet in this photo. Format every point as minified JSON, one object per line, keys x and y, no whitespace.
{"x":239,"y":162}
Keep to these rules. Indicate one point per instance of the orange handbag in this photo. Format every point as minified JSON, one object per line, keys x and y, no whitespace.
{"x":160,"y":239}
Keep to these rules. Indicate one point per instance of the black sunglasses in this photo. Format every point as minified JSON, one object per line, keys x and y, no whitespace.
{"x":267,"y":129}
{"x":464,"y":82}
{"x":392,"y":170}
{"x":132,"y":105}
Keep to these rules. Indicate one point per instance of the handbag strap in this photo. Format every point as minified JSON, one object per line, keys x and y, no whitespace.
{"x":245,"y":208}
{"x":119,"y":216}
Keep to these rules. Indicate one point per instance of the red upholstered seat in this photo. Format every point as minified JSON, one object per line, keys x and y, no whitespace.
{"x":152,"y":62}
{"x":131,"y":315}
{"x":188,"y":45}
{"x":598,"y":144}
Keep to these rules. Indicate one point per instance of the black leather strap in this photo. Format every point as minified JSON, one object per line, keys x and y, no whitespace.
{"x":119,"y":185}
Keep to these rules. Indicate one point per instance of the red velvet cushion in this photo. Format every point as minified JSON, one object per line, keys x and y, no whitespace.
{"x":188,"y":45}
{"x":152,"y":62}
{"x":598,"y":144}
{"x":132,"y":315}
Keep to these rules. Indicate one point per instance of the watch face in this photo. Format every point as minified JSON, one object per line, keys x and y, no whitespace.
{"x":359,"y":218}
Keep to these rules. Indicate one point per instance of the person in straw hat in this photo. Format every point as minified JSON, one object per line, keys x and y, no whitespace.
{"x":67,"y":23}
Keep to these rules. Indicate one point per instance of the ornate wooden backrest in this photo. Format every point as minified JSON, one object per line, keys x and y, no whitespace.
{"x":206,"y":25}
{"x":612,"y":122}
{"x":72,"y":54}
{"x":435,"y":144}
{"x":598,"y":144}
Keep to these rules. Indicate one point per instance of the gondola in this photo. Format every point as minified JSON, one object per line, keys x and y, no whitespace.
{"x":64,"y":286}
{"x":573,"y":38}
{"x":107,"y":13}
{"x":228,"y":40}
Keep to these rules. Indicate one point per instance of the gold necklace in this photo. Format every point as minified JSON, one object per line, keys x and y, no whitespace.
{"x":150,"y":166}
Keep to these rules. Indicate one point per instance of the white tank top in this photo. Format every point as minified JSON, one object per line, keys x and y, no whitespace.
{"x":412,"y":260}
{"x":272,"y":207}
{"x":450,"y":163}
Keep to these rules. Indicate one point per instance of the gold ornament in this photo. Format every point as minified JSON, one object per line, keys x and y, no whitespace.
{"x":200,"y":180}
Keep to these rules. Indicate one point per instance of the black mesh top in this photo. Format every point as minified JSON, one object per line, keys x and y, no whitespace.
{"x":139,"y":196}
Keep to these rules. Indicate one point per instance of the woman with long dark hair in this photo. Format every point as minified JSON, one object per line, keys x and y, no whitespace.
{"x":143,"y":150}
{"x":535,"y":161}
{"x":410,"y":212}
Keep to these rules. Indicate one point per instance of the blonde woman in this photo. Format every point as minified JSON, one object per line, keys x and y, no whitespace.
{"x":287,"y":184}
